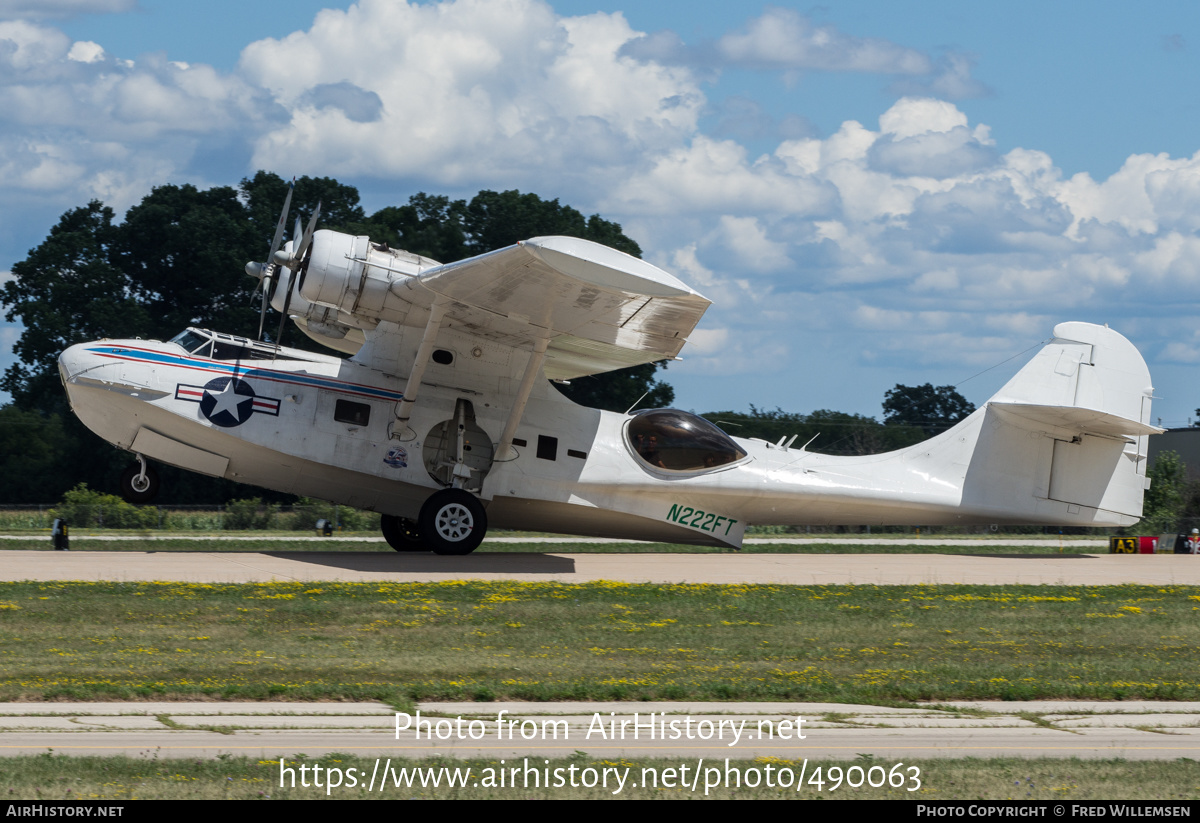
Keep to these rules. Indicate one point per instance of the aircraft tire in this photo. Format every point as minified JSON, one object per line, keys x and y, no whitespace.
{"x":401,"y":534}
{"x":135,"y":493}
{"x":452,"y":522}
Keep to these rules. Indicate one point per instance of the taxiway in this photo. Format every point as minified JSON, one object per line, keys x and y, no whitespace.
{"x":787,"y":569}
{"x":1082,"y":729}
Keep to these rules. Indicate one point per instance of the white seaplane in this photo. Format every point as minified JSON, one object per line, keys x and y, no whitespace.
{"x":443,"y":418}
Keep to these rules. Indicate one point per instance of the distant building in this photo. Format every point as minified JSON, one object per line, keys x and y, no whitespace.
{"x":1184,"y":442}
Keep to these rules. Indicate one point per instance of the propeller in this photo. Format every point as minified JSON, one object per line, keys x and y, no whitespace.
{"x":265,"y":271}
{"x":297,"y":261}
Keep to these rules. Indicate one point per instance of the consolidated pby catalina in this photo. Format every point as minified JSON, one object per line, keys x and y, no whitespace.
{"x":443,"y":418}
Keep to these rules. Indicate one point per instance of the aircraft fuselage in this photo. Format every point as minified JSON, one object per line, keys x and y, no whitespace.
{"x":324,"y":427}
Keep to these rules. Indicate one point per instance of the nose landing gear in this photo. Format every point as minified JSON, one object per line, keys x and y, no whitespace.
{"x":139,"y":482}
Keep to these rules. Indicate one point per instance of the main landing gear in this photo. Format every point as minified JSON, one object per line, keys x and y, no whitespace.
{"x":139,"y":482}
{"x":457,"y":454}
{"x":451,"y":522}
{"x":401,"y":534}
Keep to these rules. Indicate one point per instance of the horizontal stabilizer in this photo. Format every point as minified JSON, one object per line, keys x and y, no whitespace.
{"x":1078,"y":419}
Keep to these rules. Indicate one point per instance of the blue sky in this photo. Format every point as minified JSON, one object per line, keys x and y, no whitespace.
{"x":870,"y":192}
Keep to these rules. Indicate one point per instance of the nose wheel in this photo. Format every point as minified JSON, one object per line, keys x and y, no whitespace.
{"x":139,"y":482}
{"x":452,"y":521}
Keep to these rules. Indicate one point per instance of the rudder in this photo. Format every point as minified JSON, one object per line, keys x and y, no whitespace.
{"x":1065,"y":440}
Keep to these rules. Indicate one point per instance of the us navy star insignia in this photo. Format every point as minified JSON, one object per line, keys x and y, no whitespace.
{"x":227,"y":401}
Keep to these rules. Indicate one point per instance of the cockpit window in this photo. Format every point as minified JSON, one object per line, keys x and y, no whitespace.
{"x":678,"y":441}
{"x":233,"y":351}
{"x":222,"y":346}
{"x":189,"y":340}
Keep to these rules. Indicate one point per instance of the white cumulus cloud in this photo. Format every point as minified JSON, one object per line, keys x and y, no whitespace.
{"x":782,"y":38}
{"x":786,"y":41}
{"x":462,"y":90}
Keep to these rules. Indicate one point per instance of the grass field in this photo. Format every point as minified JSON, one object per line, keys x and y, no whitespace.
{"x":55,"y":777}
{"x":470,"y":640}
{"x":401,"y":642}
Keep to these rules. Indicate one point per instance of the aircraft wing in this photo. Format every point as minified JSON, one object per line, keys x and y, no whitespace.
{"x":600,"y":309}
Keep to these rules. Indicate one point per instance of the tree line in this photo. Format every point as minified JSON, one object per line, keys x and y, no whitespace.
{"x":1172,"y":503}
{"x":910,"y":414}
{"x":178,"y":258}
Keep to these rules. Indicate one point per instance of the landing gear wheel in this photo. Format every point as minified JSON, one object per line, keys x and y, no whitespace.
{"x":401,"y":534}
{"x":139,"y":486}
{"x":452,"y":522}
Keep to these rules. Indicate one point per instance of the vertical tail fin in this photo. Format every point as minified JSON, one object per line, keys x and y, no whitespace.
{"x":1071,"y":428}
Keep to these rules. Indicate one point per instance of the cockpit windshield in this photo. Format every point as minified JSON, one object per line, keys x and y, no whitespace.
{"x":190,"y":340}
{"x":679,"y":441}
{"x":223,"y":346}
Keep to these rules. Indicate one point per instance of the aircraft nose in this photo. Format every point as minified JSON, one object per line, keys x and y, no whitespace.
{"x":75,"y":360}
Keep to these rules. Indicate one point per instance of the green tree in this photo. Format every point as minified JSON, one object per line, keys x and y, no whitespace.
{"x":84,"y":508}
{"x":66,"y":291}
{"x":432,"y":226}
{"x":32,"y":461}
{"x":1163,"y":503}
{"x":619,"y":390}
{"x":264,"y":193}
{"x":824,"y":430}
{"x":184,"y":252}
{"x":933,"y":410}
{"x":450,"y":230}
{"x":498,"y":219}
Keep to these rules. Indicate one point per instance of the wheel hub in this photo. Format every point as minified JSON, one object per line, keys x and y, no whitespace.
{"x":454,"y":523}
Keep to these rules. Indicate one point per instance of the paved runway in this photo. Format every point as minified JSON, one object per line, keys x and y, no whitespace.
{"x":800,"y":569}
{"x":713,"y":731}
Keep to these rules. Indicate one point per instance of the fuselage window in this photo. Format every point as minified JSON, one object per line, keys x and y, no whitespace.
{"x":229,"y":351}
{"x":679,"y":441}
{"x":356,"y":414}
{"x":235,"y":351}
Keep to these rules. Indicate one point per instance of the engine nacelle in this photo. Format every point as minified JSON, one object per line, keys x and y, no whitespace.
{"x":353,"y":275}
{"x":324,"y":324}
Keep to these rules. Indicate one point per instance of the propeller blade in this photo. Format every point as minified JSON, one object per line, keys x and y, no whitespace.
{"x":264,"y":271}
{"x":304,"y":268}
{"x":308,"y":233}
{"x":278,"y":239}
{"x":262,"y":312}
{"x":283,"y":316}
{"x":298,"y":263}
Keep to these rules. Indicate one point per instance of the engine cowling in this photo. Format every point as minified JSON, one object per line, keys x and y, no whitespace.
{"x":324,"y":324}
{"x":353,"y":275}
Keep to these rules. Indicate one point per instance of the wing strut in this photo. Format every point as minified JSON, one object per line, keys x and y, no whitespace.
{"x":398,"y":428}
{"x":538,"y":356}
